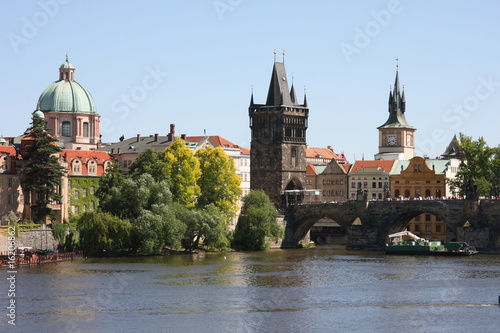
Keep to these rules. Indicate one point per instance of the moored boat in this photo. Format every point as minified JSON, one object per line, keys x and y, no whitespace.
{"x":421,"y":246}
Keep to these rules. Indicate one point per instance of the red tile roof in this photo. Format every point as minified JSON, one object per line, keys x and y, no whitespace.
{"x":219,"y":141}
{"x":386,"y":165}
{"x":85,"y":155}
{"x":310,"y":170}
{"x":8,"y":150}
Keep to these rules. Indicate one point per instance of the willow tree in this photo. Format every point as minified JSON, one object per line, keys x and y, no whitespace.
{"x":219,"y":183}
{"x":42,"y":173}
{"x":183,"y":171}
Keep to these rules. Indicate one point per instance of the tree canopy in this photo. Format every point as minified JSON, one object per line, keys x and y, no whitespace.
{"x":478,"y":172}
{"x":183,"y":171}
{"x":42,"y":173}
{"x":102,"y":233}
{"x":149,"y":162}
{"x":219,"y":183}
{"x":257,"y":221}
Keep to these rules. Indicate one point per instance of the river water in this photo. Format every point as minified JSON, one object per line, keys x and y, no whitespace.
{"x":309,"y":290}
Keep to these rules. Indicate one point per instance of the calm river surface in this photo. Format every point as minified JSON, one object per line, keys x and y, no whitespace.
{"x":310,"y":290}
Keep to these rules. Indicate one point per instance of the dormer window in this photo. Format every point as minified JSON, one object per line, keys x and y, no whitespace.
{"x":77,"y":166}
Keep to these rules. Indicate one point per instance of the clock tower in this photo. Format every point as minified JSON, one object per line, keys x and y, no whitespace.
{"x":396,"y":137}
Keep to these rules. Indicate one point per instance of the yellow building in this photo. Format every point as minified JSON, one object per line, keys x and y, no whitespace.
{"x":421,"y":179}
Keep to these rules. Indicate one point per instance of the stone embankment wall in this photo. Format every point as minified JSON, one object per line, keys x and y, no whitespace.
{"x":39,"y":238}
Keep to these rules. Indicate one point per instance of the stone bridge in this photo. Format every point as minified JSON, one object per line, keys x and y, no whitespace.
{"x":367,"y":224}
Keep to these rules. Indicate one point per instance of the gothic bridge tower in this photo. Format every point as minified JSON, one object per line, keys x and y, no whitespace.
{"x":278,"y":147}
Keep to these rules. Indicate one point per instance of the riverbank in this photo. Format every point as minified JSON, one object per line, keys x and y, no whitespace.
{"x":20,"y":258}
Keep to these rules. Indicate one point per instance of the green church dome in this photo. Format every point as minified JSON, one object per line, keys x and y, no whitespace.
{"x":66,"y":95}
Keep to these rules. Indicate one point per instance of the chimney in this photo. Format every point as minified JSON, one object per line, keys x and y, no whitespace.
{"x":138,"y":137}
{"x":172,"y":132}
{"x":156,"y":136}
{"x":183,"y":136}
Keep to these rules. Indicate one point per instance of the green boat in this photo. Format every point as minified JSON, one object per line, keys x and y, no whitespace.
{"x":422,"y":246}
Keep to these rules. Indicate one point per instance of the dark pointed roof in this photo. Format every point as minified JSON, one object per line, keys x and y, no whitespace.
{"x":453,"y":149}
{"x":292,"y":95}
{"x":278,"y":89}
{"x":397,"y":106}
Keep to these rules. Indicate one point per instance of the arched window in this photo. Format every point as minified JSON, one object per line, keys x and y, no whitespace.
{"x":77,"y":166}
{"x":427,"y":193}
{"x":407,"y":193}
{"x":66,"y":128}
{"x":438,"y":193}
{"x":85,"y":130}
{"x":92,"y":167}
{"x":397,"y":194}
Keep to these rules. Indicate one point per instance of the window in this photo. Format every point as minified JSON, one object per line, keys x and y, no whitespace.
{"x":427,"y":193}
{"x":85,"y":130}
{"x":10,"y":199}
{"x":77,"y":166}
{"x":438,"y":193}
{"x":92,"y":167}
{"x":407,"y":193}
{"x":353,"y":185}
{"x":438,"y":228}
{"x":365,"y":184}
{"x":428,"y":228}
{"x":379,"y":184}
{"x":76,"y":210}
{"x":374,"y":185}
{"x":417,"y":227}
{"x":92,"y":205}
{"x":10,"y":182}
{"x":397,"y":194}
{"x":77,"y":195}
{"x":84,"y":192}
{"x":66,"y":128}
{"x":427,"y":217}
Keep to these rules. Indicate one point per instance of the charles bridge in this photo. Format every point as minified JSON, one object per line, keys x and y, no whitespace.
{"x":367,"y":223}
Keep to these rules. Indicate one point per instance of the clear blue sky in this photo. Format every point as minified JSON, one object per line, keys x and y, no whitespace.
{"x":207,"y":55}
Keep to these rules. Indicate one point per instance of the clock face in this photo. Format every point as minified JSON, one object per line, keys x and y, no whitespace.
{"x":391,"y":140}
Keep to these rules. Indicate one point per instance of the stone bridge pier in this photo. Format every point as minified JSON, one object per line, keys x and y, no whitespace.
{"x":367,"y":224}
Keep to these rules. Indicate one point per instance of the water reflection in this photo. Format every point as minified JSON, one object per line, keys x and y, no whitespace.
{"x":313,"y":289}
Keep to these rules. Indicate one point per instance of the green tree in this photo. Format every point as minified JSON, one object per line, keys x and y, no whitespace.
{"x":257,"y":221}
{"x":149,"y":162}
{"x":111,"y":178}
{"x":102,"y":233}
{"x":147,"y":204}
{"x":206,"y":225}
{"x":183,"y":171}
{"x":495,"y":166}
{"x":475,"y":173}
{"x":219,"y":183}
{"x":42,"y":173}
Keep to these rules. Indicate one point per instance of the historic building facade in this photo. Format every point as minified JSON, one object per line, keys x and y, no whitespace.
{"x":278,"y":146}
